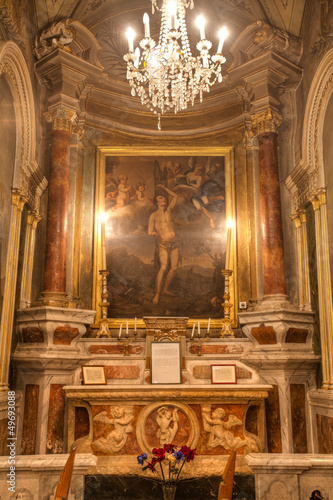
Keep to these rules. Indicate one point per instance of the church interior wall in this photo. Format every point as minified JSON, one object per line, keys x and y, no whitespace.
{"x":55,"y":410}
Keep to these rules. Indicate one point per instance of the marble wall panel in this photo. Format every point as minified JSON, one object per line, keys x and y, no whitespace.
{"x":273,"y":421}
{"x":122,"y":372}
{"x":4,"y":450}
{"x":114,"y":349}
{"x":32,"y":335}
{"x":298,"y":418}
{"x":63,"y":335}
{"x":264,"y":334}
{"x":251,"y":420}
{"x":217,"y":349}
{"x":81,"y":422}
{"x":296,"y":336}
{"x":325,"y":434}
{"x":55,"y":424}
{"x":29,"y":431}
{"x":204,"y":372}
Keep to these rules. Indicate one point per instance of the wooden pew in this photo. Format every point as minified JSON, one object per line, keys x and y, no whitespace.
{"x":227,"y":483}
{"x":65,"y":478}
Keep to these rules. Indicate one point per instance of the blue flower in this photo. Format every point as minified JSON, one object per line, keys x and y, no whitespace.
{"x":141,"y":458}
{"x":179,"y":456}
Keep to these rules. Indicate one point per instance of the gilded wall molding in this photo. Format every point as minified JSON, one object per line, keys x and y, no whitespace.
{"x":27,"y":175}
{"x":309,"y":171}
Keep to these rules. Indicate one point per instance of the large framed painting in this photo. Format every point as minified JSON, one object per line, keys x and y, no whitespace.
{"x":165,"y":232}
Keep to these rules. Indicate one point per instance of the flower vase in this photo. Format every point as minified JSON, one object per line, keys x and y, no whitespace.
{"x":169,"y":491}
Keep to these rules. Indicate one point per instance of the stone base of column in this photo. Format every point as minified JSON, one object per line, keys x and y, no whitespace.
{"x":274,"y":302}
{"x":52,"y":299}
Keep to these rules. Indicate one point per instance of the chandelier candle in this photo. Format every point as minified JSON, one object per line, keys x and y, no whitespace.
{"x":165,"y":75}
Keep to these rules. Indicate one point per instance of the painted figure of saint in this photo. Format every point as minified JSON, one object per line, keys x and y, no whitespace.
{"x":161,"y":225}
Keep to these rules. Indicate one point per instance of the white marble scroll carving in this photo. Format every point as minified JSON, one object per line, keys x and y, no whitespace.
{"x":121,"y":421}
{"x":166,"y":417}
{"x":219,"y":435}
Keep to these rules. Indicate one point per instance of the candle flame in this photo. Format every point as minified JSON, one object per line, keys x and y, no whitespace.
{"x":230,"y":223}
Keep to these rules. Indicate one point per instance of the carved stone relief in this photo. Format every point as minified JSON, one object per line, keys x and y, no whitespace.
{"x":168,"y":422}
{"x":220,"y":433}
{"x":122,"y":417}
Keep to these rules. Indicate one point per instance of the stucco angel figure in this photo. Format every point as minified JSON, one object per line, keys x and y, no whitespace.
{"x":218,"y":433}
{"x":58,"y":35}
{"x":165,"y":417}
{"x":121,"y":421}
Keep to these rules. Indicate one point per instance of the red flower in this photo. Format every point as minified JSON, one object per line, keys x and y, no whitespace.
{"x":169,"y":448}
{"x":188,"y":453}
{"x":160,"y":454}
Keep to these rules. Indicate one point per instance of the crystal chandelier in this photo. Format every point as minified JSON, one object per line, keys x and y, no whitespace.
{"x":166,"y":76}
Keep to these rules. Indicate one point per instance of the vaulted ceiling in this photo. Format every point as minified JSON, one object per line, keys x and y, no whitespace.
{"x":108,"y":21}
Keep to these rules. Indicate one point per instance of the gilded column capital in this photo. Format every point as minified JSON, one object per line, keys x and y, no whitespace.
{"x":33,"y":218}
{"x":302,"y":215}
{"x":315,"y":202}
{"x":18,"y":199}
{"x":297,"y":220}
{"x":266,"y":121}
{"x":62,"y":118}
{"x":321,"y":195}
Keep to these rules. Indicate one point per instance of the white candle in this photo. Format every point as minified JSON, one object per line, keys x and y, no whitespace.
{"x":201,"y":25}
{"x":136,"y":57}
{"x":126,"y":328}
{"x":102,"y":219}
{"x":198,"y":328}
{"x":208,"y":327}
{"x":130,"y":38}
{"x":193,"y":329}
{"x":223,"y":35}
{"x":228,"y":247}
{"x":135,"y":324}
{"x":172,"y":7}
{"x":121,"y":326}
{"x":146,"y":23}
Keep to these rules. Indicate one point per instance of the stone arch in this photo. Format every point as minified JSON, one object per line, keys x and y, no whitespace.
{"x":27,"y":177}
{"x":319,"y":95}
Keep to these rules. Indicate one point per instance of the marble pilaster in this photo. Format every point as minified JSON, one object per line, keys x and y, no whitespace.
{"x":30,"y":238}
{"x":6,"y":327}
{"x":318,"y":201}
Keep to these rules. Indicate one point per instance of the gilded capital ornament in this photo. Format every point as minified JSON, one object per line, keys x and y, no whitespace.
{"x":315,"y":202}
{"x":61,"y":118}
{"x":33,"y":218}
{"x":297,"y":220}
{"x":18,"y":199}
{"x":267,"y":121}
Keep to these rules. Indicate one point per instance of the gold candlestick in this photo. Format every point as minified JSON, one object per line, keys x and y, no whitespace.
{"x":104,"y":322}
{"x":127,"y":341}
{"x":198,"y":341}
{"x":226,"y":321}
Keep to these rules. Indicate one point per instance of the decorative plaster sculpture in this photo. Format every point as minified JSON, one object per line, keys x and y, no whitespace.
{"x":58,"y":35}
{"x":218,"y":433}
{"x":164,"y":418}
{"x":121,"y":421}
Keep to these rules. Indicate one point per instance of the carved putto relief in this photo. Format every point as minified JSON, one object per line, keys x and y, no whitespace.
{"x":121,"y":421}
{"x":167,"y":421}
{"x":219,"y":434}
{"x":58,"y":35}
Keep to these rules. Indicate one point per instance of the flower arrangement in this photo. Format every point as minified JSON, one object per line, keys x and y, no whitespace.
{"x":175,"y":457}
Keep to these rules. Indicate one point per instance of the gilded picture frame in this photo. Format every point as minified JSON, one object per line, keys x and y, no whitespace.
{"x":120,"y":174}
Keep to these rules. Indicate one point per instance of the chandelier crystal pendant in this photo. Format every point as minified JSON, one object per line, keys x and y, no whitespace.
{"x":165,"y":76}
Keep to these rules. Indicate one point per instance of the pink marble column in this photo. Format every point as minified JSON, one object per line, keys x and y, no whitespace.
{"x":57,"y":215}
{"x":270,"y":216}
